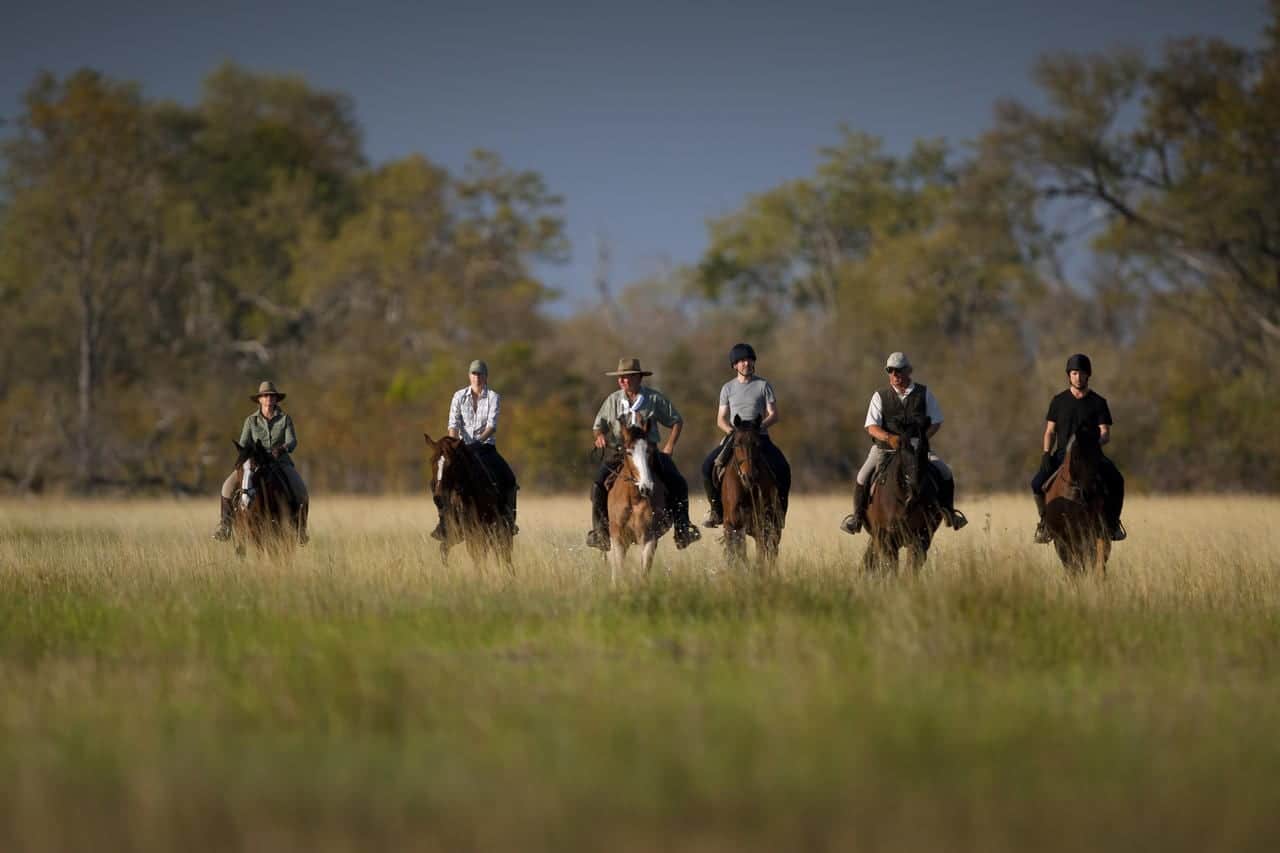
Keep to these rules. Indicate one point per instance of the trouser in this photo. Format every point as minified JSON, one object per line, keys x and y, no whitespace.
{"x":296,"y":485}
{"x":499,"y":473}
{"x":666,"y":472}
{"x":773,"y":460}
{"x":1112,"y":484}
{"x":878,"y":455}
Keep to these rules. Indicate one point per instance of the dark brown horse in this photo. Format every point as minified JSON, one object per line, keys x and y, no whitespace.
{"x":637,"y":500}
{"x":264,"y":510}
{"x":1074,"y":514}
{"x":469,"y":502}
{"x":903,"y":512}
{"x":749,"y":493}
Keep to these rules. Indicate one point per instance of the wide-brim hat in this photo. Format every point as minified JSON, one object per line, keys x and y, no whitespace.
{"x":267,"y":387}
{"x":627,"y":367}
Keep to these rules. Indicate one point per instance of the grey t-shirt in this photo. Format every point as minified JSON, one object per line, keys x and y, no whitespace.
{"x":747,"y":399}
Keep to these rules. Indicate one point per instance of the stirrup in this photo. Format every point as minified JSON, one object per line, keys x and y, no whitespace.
{"x":851,"y":524}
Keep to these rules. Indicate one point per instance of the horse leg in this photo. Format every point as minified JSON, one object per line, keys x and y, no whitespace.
{"x":646,"y":555}
{"x":1101,"y":551}
{"x":735,"y":548}
{"x":617,"y":553}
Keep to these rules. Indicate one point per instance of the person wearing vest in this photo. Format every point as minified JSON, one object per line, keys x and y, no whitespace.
{"x":746,"y":396}
{"x":633,"y":397}
{"x":1078,"y":406}
{"x":902,"y":401}
{"x":473,"y":418}
{"x":272,"y":427}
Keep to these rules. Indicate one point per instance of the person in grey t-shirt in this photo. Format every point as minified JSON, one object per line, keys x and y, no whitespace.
{"x":746,"y":396}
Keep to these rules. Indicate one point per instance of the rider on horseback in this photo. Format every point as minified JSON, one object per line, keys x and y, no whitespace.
{"x":271,"y":427}
{"x":902,"y":401}
{"x":1079,"y":406}
{"x":746,"y":396}
{"x":634,"y":398}
{"x":473,"y":417}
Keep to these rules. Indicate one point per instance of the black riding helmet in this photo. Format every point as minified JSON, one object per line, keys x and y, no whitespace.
{"x":739,"y":352}
{"x":1080,"y":362}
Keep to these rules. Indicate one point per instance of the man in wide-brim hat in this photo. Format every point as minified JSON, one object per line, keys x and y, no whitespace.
{"x":272,"y":427}
{"x":633,"y":397}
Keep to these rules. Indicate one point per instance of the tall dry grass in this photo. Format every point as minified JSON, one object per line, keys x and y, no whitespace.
{"x":159,"y":692}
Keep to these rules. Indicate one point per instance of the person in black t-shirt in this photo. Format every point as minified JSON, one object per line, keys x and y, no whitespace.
{"x":1068,"y":411}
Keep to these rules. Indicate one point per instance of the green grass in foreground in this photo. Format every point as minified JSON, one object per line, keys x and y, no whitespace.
{"x":159,"y":694}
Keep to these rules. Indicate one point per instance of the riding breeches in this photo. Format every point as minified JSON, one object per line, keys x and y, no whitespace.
{"x":495,"y":466}
{"x":879,"y":454}
{"x":298,"y":487}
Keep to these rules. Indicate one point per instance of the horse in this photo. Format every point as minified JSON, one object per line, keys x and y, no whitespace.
{"x":749,"y":495}
{"x":1074,"y":514}
{"x":469,"y":503}
{"x":264,"y":510}
{"x":903,"y":511}
{"x":637,"y":500}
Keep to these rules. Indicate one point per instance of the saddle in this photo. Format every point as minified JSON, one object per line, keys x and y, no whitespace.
{"x":881,"y":474}
{"x":722,"y":460}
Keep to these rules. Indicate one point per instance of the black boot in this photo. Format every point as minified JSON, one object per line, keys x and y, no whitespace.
{"x":223,"y":531}
{"x":439,"y":533}
{"x":947,"y":501}
{"x":853,"y":523}
{"x":598,"y":535}
{"x":686,"y":534}
{"x":1042,"y":536}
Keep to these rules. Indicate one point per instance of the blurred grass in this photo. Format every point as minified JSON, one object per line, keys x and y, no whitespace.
{"x":159,"y":693}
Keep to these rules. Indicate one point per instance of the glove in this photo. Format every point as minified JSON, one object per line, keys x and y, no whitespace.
{"x":1047,"y":464}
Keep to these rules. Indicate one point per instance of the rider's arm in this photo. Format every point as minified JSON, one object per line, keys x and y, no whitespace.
{"x":879,"y":433}
{"x":934,"y":412}
{"x":722,"y":420}
{"x":600,"y":426}
{"x":933,"y":430}
{"x":770,"y":415}
{"x":453,"y":433}
{"x":491,"y":423}
{"x":1049,"y":429}
{"x":673,"y":437}
{"x":290,"y":435}
{"x":1104,"y":433}
{"x":246,"y":432}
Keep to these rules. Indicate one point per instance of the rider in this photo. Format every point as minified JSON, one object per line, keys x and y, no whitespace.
{"x":902,"y":400}
{"x":473,"y":417}
{"x":746,"y":396}
{"x":272,"y":427}
{"x":633,"y":397}
{"x":1078,"y":406}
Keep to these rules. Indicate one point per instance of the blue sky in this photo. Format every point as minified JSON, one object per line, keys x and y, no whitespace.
{"x":649,"y":117}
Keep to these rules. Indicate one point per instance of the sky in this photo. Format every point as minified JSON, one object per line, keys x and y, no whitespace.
{"x":648,"y":117}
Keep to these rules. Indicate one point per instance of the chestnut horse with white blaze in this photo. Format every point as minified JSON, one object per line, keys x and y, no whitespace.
{"x":637,"y":500}
{"x":469,"y":502}
{"x":264,"y":510}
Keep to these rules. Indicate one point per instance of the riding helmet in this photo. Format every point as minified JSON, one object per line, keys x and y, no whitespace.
{"x":739,"y":352}
{"x":1080,"y":362}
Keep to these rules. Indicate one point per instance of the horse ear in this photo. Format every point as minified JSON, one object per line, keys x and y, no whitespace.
{"x":759,"y":420}
{"x":430,"y":441}
{"x":237,"y":446}
{"x":737,"y":422}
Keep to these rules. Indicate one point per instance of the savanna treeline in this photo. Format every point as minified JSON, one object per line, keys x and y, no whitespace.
{"x":157,"y":260}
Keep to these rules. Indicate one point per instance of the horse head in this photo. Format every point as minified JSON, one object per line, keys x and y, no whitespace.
{"x":253,"y":459}
{"x":913,"y":457}
{"x":448,"y":470}
{"x":746,"y":448}
{"x":1082,"y":456}
{"x":640,"y":454}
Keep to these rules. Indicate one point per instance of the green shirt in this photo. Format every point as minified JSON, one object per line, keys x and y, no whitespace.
{"x":269,"y":433}
{"x":654,"y":406}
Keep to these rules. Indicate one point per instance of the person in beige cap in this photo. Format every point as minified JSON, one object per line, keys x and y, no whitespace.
{"x":473,"y":418}
{"x":903,"y":400}
{"x":272,"y":427}
{"x":633,"y":397}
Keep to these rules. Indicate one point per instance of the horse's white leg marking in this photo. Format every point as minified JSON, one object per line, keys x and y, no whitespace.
{"x":646,"y":555}
{"x":247,"y":470}
{"x":640,"y":457}
{"x":617,"y":551}
{"x":440,"y":470}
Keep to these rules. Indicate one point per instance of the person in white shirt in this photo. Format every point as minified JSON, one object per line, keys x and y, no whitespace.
{"x":473,"y":417}
{"x":903,"y":400}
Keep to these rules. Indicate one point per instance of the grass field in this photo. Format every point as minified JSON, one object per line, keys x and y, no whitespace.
{"x":156,"y":693}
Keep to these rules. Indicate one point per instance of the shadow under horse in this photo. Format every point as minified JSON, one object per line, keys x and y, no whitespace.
{"x":470,"y":504}
{"x":264,"y":510}
{"x":903,"y":511}
{"x":749,"y":495}
{"x":1075,"y":506}
{"x":638,"y":512}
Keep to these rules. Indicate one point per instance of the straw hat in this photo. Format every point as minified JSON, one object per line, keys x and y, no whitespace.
{"x":628,"y":367}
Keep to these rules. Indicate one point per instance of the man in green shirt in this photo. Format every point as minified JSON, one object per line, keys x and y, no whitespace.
{"x":632,"y":397}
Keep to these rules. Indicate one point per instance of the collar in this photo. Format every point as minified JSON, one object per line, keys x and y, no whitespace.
{"x":279,"y":413}
{"x":905,"y":392}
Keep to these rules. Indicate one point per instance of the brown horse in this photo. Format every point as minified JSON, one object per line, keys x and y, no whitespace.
{"x":264,"y":510}
{"x":469,"y":503}
{"x":903,"y":512}
{"x":749,"y":494}
{"x":637,"y":500}
{"x":1074,"y":514}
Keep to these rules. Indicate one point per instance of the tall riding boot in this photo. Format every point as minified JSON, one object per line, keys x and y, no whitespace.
{"x":686,"y":534}
{"x":223,"y":532}
{"x":439,"y":532}
{"x":715,"y":510}
{"x":598,"y":536}
{"x":1042,"y":536}
{"x":853,"y":523}
{"x":303,"y":536}
{"x":510,"y":509}
{"x":947,"y":500}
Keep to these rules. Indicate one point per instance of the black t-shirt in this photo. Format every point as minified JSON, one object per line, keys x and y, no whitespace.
{"x":1069,"y":414}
